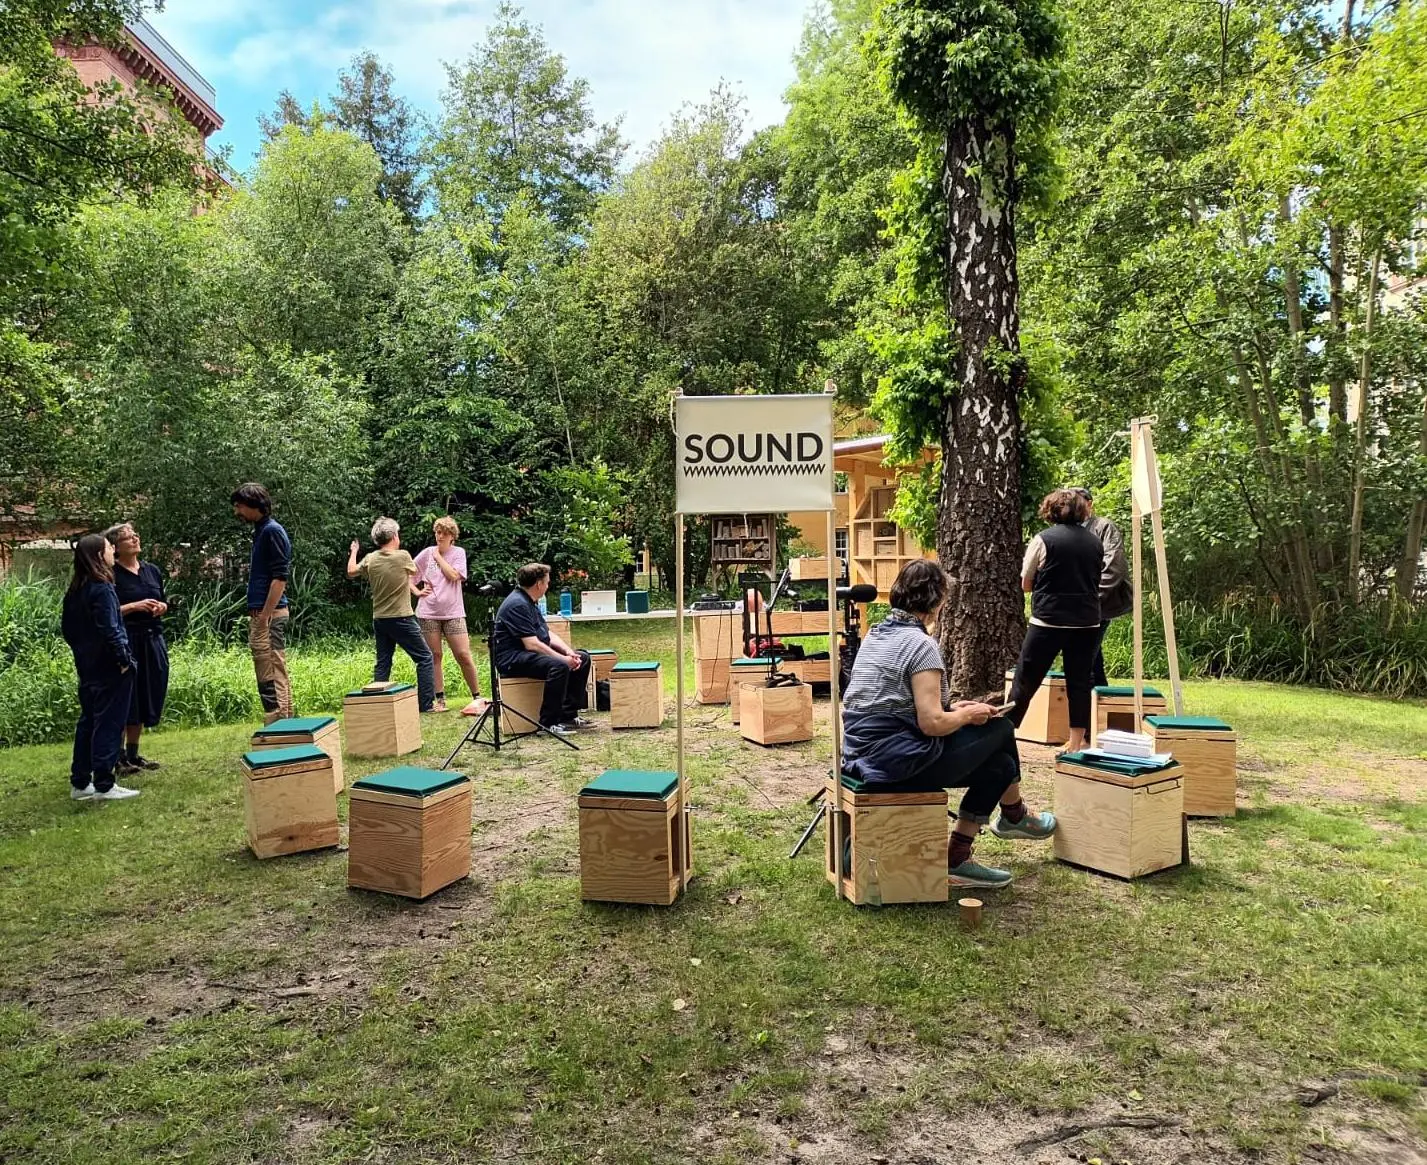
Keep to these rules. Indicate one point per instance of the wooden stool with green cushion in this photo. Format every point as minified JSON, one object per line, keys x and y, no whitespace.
{"x":289,"y":803}
{"x":894,"y":844}
{"x":409,"y":831}
{"x":636,"y":695}
{"x":1208,"y":750}
{"x":320,"y":731}
{"x":381,"y":721}
{"x":1119,"y":815}
{"x":748,"y":670}
{"x":604,"y":659}
{"x":635,"y":838}
{"x":1048,"y":718}
{"x":1113,"y":706}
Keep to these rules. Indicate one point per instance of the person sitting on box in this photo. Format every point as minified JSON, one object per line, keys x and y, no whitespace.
{"x":389,"y":570}
{"x":902,"y":734}
{"x":1061,"y":571}
{"x":525,"y":647}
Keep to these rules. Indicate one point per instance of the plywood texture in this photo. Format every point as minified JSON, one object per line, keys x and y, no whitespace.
{"x":524,"y":695}
{"x":409,"y":846}
{"x":898,"y":847}
{"x":810,"y":671}
{"x":632,"y":850}
{"x":291,"y":809}
{"x":328,"y":739}
{"x":1119,"y":712}
{"x":807,"y":569}
{"x":1048,"y":718}
{"x":718,"y":635}
{"x":1119,"y":830}
{"x":604,"y":664}
{"x":561,"y":626}
{"x":797,"y":623}
{"x":781,"y":715}
{"x":711,"y":681}
{"x":636,"y":699}
{"x":382,"y":725}
{"x":1210,"y":764}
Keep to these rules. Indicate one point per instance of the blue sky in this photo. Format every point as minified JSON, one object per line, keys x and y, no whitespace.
{"x":643,"y":58}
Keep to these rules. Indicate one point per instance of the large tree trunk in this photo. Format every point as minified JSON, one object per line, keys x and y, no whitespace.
{"x":979,"y":522}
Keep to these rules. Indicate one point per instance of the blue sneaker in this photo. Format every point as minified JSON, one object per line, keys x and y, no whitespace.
{"x":1033,"y":826}
{"x":971,"y":873}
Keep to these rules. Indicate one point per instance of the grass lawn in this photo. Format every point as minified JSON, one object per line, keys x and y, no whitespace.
{"x":167,"y":996}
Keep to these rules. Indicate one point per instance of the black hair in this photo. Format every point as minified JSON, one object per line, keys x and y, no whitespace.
{"x":89,"y":564}
{"x":531,"y":573}
{"x":254,"y":496}
{"x":920,"y":587}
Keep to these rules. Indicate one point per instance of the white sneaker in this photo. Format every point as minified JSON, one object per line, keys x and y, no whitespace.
{"x":116,"y":793}
{"x":83,"y":794}
{"x":560,"y":730}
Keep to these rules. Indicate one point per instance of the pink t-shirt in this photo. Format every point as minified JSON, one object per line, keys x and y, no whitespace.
{"x":444,"y":600}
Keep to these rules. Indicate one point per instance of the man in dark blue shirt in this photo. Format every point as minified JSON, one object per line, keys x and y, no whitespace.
{"x":268,"y":614}
{"x":525,"y":646}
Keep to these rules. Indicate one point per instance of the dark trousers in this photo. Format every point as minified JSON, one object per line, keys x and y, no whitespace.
{"x":565,"y":692}
{"x":1097,"y":669}
{"x":1076,"y":647}
{"x":405,"y":632}
{"x":99,"y":735}
{"x":980,"y":758}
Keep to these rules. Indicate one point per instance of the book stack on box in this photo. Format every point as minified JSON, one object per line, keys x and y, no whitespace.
{"x":1115,"y":742}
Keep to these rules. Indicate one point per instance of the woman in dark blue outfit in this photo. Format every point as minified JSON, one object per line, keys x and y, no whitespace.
{"x":92,"y":627}
{"x":142,"y":603}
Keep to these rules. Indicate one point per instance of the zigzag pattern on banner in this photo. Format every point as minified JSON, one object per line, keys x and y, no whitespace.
{"x":807,"y":470}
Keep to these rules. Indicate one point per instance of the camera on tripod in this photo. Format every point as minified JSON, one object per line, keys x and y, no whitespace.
{"x":492,"y":588}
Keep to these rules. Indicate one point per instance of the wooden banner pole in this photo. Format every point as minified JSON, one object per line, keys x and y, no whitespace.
{"x":685,"y":870}
{"x":834,"y":660}
{"x":1138,"y":564}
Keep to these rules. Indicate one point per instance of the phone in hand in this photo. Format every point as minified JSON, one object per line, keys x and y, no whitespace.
{"x":1002,"y":709}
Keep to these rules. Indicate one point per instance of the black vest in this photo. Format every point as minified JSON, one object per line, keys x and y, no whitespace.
{"x":1067,"y":587}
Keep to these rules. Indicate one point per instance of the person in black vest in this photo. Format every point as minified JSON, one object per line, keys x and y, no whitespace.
{"x":1061,"y":571}
{"x":1117,"y":593}
{"x":91,"y":625}
{"x":525,"y":646}
{"x":143,"y":604}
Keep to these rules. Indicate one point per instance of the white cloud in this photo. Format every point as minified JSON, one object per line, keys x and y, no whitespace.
{"x":643,"y":58}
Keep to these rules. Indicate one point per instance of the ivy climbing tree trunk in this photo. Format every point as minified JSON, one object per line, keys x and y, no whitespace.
{"x":978,"y":521}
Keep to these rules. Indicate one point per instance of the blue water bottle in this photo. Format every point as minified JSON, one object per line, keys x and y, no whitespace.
{"x":567,"y":604}
{"x":543,"y":609}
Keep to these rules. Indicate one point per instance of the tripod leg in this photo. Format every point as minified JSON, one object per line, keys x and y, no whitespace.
{"x":807,"y":833}
{"x":473,"y":733}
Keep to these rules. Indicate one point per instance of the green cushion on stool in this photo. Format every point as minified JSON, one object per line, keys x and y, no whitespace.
{"x":1202,"y":723}
{"x":271,"y":757}
{"x":410,"y":781}
{"x":759,"y":662}
{"x":295,"y":724}
{"x":1126,"y":690}
{"x":1126,"y":765}
{"x":631,"y":783}
{"x":627,"y":666}
{"x":600,"y":650}
{"x":391,"y":691}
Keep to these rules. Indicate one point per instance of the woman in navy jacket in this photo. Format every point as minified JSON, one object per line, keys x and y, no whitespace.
{"x":95,"y":633}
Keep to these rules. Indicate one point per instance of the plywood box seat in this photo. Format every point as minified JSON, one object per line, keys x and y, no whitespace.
{"x":894,"y":844}
{"x":1207,"y":749}
{"x":634,"y":838}
{"x":409,"y":831}
{"x":1047,"y":720}
{"x":522,"y":694}
{"x":289,"y":803}
{"x":748,"y":670}
{"x":384,"y":722}
{"x":776,"y":715}
{"x":1113,"y":706}
{"x":1120,"y":815}
{"x":321,"y":731}
{"x":604,"y":659}
{"x":636,"y":695}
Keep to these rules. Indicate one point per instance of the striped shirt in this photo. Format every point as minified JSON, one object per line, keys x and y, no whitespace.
{"x":893,"y":652}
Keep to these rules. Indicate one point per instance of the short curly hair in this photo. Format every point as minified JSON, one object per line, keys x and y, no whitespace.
{"x":1064,"y":507}
{"x":446,"y":524}
{"x":920,"y":587}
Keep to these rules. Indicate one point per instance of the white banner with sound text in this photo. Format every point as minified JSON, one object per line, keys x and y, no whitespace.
{"x":753,"y":454}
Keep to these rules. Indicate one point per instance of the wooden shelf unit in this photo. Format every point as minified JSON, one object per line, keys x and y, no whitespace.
{"x":880,"y":548}
{"x":744,"y":540}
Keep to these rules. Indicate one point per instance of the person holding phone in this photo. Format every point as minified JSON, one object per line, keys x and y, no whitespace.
{"x":92,"y":626}
{"x":390,"y":572}
{"x":902,"y":733}
{"x":441,"y":611}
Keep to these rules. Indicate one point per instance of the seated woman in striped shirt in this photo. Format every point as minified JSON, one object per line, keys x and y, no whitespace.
{"x":902,"y":734}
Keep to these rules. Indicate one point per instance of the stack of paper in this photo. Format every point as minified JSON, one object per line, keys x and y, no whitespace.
{"x":1118,"y":743}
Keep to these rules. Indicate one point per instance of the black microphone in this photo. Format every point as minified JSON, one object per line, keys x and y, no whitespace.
{"x":861,"y":593}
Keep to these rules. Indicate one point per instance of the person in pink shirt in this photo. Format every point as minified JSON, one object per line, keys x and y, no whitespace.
{"x":441,"y":611}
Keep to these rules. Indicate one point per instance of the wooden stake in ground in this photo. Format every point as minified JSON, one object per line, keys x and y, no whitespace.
{"x":1147,"y":498}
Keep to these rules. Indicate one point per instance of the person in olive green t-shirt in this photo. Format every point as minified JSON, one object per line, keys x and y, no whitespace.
{"x":389,"y":570}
